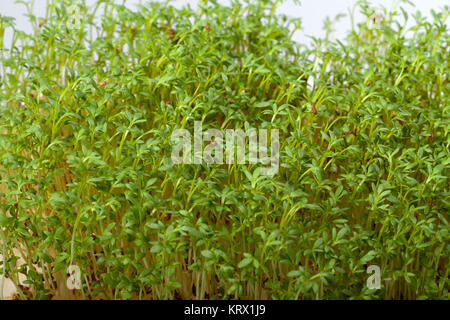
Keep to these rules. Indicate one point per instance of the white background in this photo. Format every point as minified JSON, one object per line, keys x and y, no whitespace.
{"x":312,"y":12}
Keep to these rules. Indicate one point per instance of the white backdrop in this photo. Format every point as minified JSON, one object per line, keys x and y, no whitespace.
{"x":312,"y":12}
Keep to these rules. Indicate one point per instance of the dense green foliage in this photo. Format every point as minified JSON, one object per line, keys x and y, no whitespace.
{"x":86,"y":177}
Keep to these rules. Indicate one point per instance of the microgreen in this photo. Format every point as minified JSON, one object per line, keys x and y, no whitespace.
{"x":87,"y":179}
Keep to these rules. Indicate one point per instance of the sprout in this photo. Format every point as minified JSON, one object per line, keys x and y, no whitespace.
{"x":87,"y":182}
